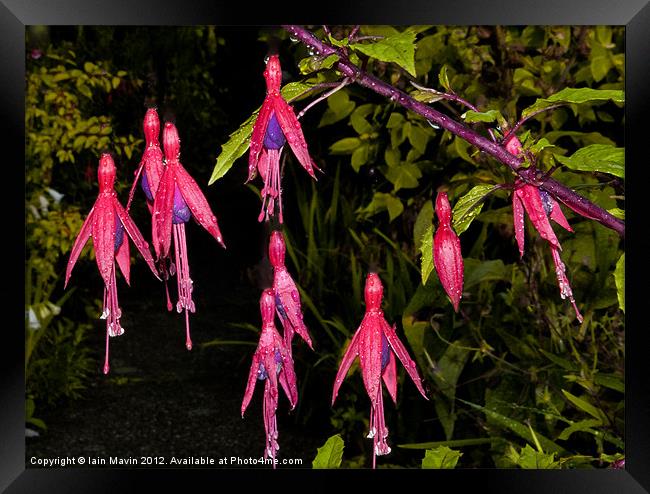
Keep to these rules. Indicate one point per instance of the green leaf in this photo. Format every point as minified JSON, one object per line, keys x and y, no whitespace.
{"x":317,"y":62}
{"x":488,"y":116}
{"x":330,"y":454}
{"x":575,"y":96}
{"x":617,"y":212}
{"x":600,"y":66}
{"x":443,"y":78}
{"x":441,"y":457}
{"x":581,"y":426}
{"x":392,"y":156}
{"x":345,"y":146}
{"x":585,"y":406}
{"x":529,"y":458}
{"x":580,"y":138}
{"x":477,"y":271}
{"x":597,"y":158}
{"x":449,"y":368}
{"x":398,"y":48}
{"x":382,"y":202}
{"x":468,"y":207}
{"x":454,"y":443}
{"x":292,"y":90}
{"x":358,"y":119}
{"x":610,"y":381}
{"x":339,"y":107}
{"x":360,"y":156}
{"x":418,"y":138}
{"x":518,"y":428}
{"x":619,"y":278}
{"x":426,"y":96}
{"x":404,"y":176}
{"x":426,"y":248}
{"x":234,"y":148}
{"x":422,"y":222}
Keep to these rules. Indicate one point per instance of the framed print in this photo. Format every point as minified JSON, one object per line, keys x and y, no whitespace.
{"x":240,"y":232}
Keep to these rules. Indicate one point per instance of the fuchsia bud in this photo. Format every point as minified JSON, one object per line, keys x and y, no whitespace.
{"x":447,"y":257}
{"x":277,"y":249}
{"x":373,"y":292}
{"x":151,"y":126}
{"x":106,"y":173}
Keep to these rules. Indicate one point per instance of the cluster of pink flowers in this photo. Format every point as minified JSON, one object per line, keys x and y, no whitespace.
{"x":173,"y":197}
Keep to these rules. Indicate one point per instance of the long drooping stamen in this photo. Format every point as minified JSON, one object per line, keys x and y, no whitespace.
{"x":277,"y":185}
{"x":563,"y":281}
{"x":183,"y":279}
{"x":270,"y":422}
{"x":271,"y":185}
{"x":112,"y":313}
{"x":378,"y":430}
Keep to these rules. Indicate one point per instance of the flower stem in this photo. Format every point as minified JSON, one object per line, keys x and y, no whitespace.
{"x":559,"y":191}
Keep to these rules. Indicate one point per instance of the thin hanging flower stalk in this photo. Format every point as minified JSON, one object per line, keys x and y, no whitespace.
{"x":276,"y":124}
{"x":376,"y":343}
{"x":540,"y":206}
{"x":272,"y":363}
{"x":177,"y":200}
{"x":148,"y":174}
{"x":287,"y":297}
{"x":447,"y":257}
{"x":106,"y":224}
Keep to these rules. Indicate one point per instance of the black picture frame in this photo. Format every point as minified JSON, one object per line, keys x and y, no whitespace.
{"x":634,"y":14}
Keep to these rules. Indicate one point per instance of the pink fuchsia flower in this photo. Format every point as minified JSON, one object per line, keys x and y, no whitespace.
{"x":151,"y":164}
{"x":148,"y":175}
{"x":272,"y":363}
{"x":178,"y":199}
{"x":287,"y":298}
{"x":275,"y":125}
{"x":376,"y":344}
{"x":106,"y":224}
{"x":540,"y":206}
{"x":447,"y":257}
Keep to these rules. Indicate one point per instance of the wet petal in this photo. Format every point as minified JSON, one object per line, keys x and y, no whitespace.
{"x":104,"y":236}
{"x":349,"y":356}
{"x":404,"y":357}
{"x":518,"y":222}
{"x":257,"y":137}
{"x":250,"y":385}
{"x":532,"y":201}
{"x":138,"y":240}
{"x":390,"y":376}
{"x":79,"y":243}
{"x":123,"y":258}
{"x":161,"y":221}
{"x":198,"y":203}
{"x":293,"y":132}
{"x":370,"y":353}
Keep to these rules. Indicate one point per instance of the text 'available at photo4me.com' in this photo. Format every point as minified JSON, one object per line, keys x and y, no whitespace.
{"x":151,"y":461}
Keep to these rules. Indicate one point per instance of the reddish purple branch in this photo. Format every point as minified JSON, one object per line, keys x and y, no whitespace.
{"x":561,"y":192}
